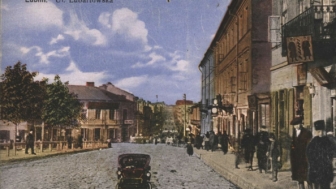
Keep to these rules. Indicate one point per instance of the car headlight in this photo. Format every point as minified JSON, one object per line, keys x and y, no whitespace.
{"x":148,"y":174}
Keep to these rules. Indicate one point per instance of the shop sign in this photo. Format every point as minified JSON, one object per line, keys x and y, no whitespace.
{"x":299,"y":49}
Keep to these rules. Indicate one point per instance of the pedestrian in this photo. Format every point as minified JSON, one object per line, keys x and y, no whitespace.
{"x":206,"y":141}
{"x":320,"y":157}
{"x":198,"y":142}
{"x":262,"y":147}
{"x":298,"y":158}
{"x":213,"y":141}
{"x":190,"y":150}
{"x":80,"y":141}
{"x":236,"y":150}
{"x":30,"y":142}
{"x":248,"y":144}
{"x":225,"y":142}
{"x":274,"y":154}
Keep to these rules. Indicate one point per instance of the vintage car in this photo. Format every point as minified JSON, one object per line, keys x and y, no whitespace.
{"x":134,"y":171}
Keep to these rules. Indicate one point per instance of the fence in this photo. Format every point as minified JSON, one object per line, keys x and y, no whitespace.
{"x":11,"y":149}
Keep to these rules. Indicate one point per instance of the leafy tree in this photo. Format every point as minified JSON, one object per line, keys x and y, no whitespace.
{"x":60,"y":107}
{"x":21,"y":97}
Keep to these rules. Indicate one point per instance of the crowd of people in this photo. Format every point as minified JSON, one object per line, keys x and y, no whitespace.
{"x":310,"y":157}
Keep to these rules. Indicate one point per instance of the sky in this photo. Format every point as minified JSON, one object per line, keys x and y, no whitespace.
{"x":145,"y":47}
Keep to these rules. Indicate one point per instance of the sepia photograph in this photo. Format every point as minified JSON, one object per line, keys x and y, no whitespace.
{"x":168,"y":94}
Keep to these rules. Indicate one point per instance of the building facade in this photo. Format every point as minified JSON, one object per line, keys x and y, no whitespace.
{"x":207,"y":68}
{"x":242,"y":59}
{"x":303,"y":36}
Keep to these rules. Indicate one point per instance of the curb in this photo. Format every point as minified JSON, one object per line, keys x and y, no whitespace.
{"x":42,"y":156}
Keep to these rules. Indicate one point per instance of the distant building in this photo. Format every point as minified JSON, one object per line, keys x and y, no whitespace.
{"x":181,"y":115}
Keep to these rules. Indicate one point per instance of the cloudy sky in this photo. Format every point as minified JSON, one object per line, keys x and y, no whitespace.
{"x":146,"y":47}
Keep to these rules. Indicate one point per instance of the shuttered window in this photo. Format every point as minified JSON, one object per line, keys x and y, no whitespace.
{"x":307,"y":108}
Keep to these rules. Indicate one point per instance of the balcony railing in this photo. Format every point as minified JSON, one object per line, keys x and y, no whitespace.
{"x":317,"y":21}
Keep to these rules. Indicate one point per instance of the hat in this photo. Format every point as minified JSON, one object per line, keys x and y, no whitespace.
{"x":330,"y":133}
{"x":296,"y":121}
{"x":319,"y":125}
{"x":271,"y":135}
{"x":263,"y":128}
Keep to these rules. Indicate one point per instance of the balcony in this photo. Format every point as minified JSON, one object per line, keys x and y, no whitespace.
{"x":317,"y":21}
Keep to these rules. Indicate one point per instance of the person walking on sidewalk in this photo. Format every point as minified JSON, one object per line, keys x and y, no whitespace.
{"x":206,"y":141}
{"x":274,"y":154}
{"x":320,"y":157}
{"x":262,"y":147}
{"x":248,"y":144}
{"x":298,"y":158}
{"x":225,"y":142}
{"x":30,"y":142}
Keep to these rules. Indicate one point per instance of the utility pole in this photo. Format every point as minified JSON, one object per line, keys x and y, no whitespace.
{"x":185,"y":113}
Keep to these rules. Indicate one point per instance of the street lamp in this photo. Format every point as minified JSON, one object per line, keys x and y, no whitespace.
{"x":185,"y":113}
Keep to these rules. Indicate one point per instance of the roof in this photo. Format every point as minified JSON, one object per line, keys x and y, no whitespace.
{"x":90,"y":93}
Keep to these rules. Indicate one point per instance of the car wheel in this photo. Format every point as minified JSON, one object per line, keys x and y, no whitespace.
{"x":149,"y":185}
{"x":118,"y":186}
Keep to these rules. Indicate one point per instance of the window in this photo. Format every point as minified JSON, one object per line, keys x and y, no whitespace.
{"x":265,"y":109}
{"x":243,"y":81}
{"x":83,"y":114}
{"x":111,"y":114}
{"x":97,"y":134}
{"x":233,"y":84}
{"x":98,"y":113}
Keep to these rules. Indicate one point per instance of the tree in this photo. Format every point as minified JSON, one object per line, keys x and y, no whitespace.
{"x":60,"y":107}
{"x":21,"y":97}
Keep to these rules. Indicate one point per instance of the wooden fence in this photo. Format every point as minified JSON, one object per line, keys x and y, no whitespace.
{"x":48,"y":146}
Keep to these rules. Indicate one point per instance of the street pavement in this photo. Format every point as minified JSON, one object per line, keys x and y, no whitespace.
{"x":223,"y":164}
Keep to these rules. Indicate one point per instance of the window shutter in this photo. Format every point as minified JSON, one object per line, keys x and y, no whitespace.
{"x":274,"y":101}
{"x":286,"y":112}
{"x":307,"y":108}
{"x":290,"y":109}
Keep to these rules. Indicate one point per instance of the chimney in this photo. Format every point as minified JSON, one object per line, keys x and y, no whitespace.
{"x":90,"y":84}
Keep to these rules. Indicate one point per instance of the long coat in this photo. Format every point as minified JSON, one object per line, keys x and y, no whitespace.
{"x":299,"y":162}
{"x":225,"y":142}
{"x":30,"y":139}
{"x":320,"y":156}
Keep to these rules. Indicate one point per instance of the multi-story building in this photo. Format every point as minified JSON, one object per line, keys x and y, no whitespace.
{"x":127,"y":107}
{"x":194,"y":121}
{"x":181,"y":115}
{"x":303,"y":36}
{"x":207,"y":68}
{"x":242,"y":59}
{"x":100,"y":118}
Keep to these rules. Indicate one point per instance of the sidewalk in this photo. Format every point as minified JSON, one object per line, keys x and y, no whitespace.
{"x":20,"y":155}
{"x":224,"y":165}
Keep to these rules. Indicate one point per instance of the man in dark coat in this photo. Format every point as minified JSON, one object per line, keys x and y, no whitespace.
{"x":225,"y":142}
{"x":262,"y":147}
{"x":212,"y":140}
{"x":274,"y":154}
{"x":30,"y":142}
{"x":320,"y":156}
{"x":299,"y":163}
{"x":190,"y":150}
{"x":248,"y":144}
